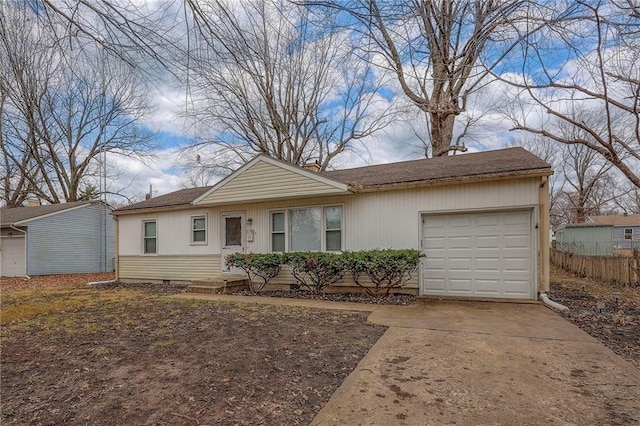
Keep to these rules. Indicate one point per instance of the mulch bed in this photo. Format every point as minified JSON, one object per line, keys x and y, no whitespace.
{"x":392,"y":299}
{"x":617,"y":325}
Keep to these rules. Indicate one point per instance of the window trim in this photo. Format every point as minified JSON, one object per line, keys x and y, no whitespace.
{"x":323,"y":230}
{"x":144,"y":221}
{"x":627,"y":236}
{"x":192,"y":230}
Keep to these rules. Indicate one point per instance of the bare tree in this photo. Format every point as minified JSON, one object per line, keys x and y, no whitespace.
{"x":595,"y":89}
{"x":590,"y":184}
{"x":440,"y":51}
{"x":553,"y":154}
{"x":270,"y":77}
{"x":60,"y":112}
{"x":629,"y":200}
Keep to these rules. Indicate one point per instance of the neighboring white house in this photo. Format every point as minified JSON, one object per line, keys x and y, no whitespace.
{"x":66,"y":238}
{"x":482,"y":220}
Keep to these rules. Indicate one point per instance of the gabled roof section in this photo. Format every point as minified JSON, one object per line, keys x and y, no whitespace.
{"x":500,"y":163}
{"x":616,"y":219}
{"x":176,"y":199}
{"x":265,"y":178}
{"x":21,"y":215}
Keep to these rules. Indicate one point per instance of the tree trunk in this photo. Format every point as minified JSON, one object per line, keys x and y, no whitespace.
{"x":441,"y":133}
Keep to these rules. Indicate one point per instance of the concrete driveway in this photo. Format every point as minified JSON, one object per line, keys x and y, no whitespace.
{"x":473,"y":363}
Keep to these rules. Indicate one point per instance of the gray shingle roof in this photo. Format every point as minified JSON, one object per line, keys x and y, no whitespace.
{"x":19,"y":214}
{"x":617,"y":220}
{"x":479,"y":164}
{"x":503,"y":162}
{"x":172,"y":199}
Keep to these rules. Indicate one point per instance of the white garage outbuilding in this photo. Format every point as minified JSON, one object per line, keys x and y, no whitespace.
{"x":65,"y":238}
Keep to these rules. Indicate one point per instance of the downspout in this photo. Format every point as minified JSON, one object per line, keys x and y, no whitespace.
{"x":553,"y":305}
{"x":116,"y":249}
{"x":26,"y":258}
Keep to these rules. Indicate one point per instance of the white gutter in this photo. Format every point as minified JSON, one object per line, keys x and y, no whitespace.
{"x":553,"y":305}
{"x":26,"y":258}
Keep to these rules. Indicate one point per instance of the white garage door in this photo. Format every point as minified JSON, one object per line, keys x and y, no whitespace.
{"x":478,"y":255}
{"x":12,"y":257}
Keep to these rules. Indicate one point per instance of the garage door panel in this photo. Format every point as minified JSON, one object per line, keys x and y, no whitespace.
{"x":460,"y":242}
{"x":435,"y":264}
{"x":487,"y":220}
{"x":461,"y":285}
{"x":434,"y":242}
{"x":516,"y":264}
{"x":479,"y":254}
{"x":487,"y":241}
{"x":491,"y":264}
{"x":517,"y":218}
{"x":435,"y":284}
{"x":12,"y":257}
{"x":460,"y":222}
{"x":489,"y":286}
{"x":460,"y":264}
{"x":516,"y":241}
{"x":517,"y":287}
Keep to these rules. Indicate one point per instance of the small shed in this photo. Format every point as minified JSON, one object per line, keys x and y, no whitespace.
{"x":590,"y":239}
{"x":75,"y":237}
{"x":626,"y":231}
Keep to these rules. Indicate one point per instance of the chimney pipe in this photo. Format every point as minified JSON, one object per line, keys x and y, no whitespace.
{"x":312,"y":166}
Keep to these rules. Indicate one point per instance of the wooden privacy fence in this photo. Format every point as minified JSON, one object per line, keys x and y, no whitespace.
{"x":622,"y":270}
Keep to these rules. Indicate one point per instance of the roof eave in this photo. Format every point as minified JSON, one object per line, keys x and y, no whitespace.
{"x":454,"y":180}
{"x":152,"y":209}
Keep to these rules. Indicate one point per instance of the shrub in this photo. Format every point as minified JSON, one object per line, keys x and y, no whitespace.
{"x":315,"y":270}
{"x":387,"y":269}
{"x":260,"y":267}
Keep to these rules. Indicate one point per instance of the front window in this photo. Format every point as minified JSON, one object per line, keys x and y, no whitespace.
{"x":333,"y":228}
{"x":307,"y":229}
{"x":199,"y":229}
{"x":277,"y":232}
{"x":628,"y":234}
{"x":149,"y":237}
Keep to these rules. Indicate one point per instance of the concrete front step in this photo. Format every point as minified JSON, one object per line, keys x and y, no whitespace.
{"x":217,"y":287}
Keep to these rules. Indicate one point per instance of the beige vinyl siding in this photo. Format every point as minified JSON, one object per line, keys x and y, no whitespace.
{"x":174,"y":233}
{"x":177,"y":268}
{"x":266,"y":181}
{"x":392,"y":219}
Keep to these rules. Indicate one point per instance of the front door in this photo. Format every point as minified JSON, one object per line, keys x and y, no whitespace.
{"x":232,"y":238}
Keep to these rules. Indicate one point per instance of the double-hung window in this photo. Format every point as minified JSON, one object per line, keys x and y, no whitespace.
{"x":199,"y":229}
{"x":307,"y":229}
{"x":628,"y":233}
{"x":149,"y":237}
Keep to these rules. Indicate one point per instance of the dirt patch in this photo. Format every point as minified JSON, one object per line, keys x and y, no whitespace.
{"x":608,"y":312}
{"x":53,"y":281}
{"x":123,"y":356}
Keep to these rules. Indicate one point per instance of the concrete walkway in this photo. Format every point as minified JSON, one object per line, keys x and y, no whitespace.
{"x":478,"y":363}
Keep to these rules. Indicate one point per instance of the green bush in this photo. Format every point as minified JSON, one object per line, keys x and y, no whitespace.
{"x":315,"y":270}
{"x":387,"y":269}
{"x":260,"y":267}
